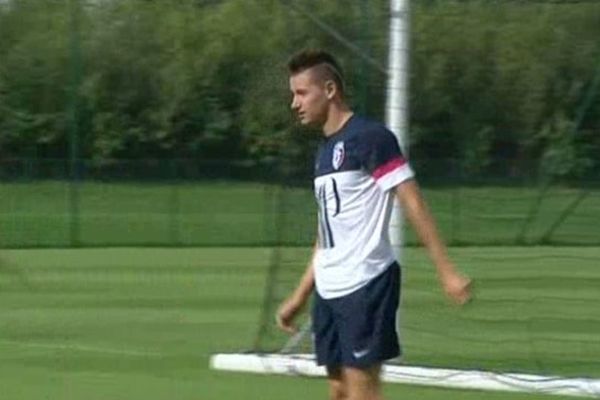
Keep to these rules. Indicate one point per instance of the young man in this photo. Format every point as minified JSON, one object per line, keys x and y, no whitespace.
{"x":359,"y":170}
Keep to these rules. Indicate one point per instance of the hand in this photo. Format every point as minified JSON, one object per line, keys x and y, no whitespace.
{"x":457,"y":287}
{"x":287,"y":312}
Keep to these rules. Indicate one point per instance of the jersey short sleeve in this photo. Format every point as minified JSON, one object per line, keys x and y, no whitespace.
{"x":382,"y":158}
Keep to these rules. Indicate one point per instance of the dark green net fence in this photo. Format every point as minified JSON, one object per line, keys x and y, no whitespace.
{"x":185,"y":203}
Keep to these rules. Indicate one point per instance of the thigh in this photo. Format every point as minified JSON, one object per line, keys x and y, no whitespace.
{"x":337,"y":384}
{"x":363,"y":383}
{"x":367,"y":320}
{"x":325,"y":333}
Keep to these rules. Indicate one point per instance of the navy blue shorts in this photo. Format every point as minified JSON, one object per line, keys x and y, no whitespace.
{"x":359,"y":330}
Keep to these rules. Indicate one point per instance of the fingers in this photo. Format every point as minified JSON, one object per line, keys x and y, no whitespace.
{"x":284,"y":318}
{"x":286,"y":326}
{"x":459,"y":291}
{"x":462,"y":298}
{"x":463,"y":294}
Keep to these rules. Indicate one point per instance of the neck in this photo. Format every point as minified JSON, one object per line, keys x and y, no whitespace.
{"x":338,"y":116}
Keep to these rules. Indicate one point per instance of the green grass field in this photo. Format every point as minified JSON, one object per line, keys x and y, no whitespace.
{"x":250,"y":214}
{"x":137,"y":324}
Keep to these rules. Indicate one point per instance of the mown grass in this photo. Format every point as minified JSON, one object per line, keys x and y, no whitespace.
{"x":135,"y":323}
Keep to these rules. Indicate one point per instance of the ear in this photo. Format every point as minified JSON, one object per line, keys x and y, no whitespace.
{"x":330,"y":89}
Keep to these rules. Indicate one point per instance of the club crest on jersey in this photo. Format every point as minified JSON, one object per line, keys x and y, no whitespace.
{"x":338,"y":155}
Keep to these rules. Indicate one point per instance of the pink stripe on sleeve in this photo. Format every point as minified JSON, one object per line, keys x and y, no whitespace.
{"x":388,"y":167}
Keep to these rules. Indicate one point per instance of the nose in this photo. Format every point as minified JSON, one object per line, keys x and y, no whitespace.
{"x":294,"y":105}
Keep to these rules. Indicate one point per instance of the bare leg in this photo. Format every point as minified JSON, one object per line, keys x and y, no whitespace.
{"x":363,"y":384}
{"x":337,"y":384}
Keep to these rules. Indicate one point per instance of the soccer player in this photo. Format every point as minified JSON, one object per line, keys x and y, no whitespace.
{"x":359,"y":170}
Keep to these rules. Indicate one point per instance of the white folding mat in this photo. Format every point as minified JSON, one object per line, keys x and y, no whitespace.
{"x":304,"y":365}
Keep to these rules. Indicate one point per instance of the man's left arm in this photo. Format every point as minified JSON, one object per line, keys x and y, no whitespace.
{"x":456,"y":285}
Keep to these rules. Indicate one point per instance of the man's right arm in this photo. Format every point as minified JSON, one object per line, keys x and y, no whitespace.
{"x":291,"y":306}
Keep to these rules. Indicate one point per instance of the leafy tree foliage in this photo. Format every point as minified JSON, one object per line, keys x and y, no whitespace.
{"x":205,"y":79}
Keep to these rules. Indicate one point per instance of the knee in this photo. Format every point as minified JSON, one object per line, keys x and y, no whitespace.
{"x":337,"y":391}
{"x":337,"y":394}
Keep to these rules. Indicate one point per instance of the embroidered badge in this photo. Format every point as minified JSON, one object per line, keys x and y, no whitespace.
{"x":338,"y":155}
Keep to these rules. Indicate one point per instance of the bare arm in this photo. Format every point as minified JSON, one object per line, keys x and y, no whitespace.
{"x":456,"y":286}
{"x":290,"y":307}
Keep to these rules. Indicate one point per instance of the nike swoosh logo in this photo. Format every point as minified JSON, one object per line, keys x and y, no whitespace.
{"x":360,"y":353}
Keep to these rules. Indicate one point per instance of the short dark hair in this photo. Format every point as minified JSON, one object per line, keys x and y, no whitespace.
{"x":310,"y":58}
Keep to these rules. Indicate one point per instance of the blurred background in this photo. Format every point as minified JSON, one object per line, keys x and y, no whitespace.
{"x":100,"y":97}
{"x":163,"y":127}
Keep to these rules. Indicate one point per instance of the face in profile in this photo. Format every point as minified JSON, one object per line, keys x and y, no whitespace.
{"x":310,"y":100}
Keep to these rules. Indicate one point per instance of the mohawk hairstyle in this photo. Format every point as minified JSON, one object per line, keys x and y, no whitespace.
{"x":310,"y":58}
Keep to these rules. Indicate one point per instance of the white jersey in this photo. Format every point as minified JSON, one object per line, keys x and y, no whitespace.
{"x":355,"y":172}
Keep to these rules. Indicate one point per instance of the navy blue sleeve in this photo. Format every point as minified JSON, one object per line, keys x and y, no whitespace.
{"x":382,"y":158}
{"x":379,"y":148}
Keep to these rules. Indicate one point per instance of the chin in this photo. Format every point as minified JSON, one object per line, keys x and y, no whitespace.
{"x":305,"y":121}
{"x":311,"y":122}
